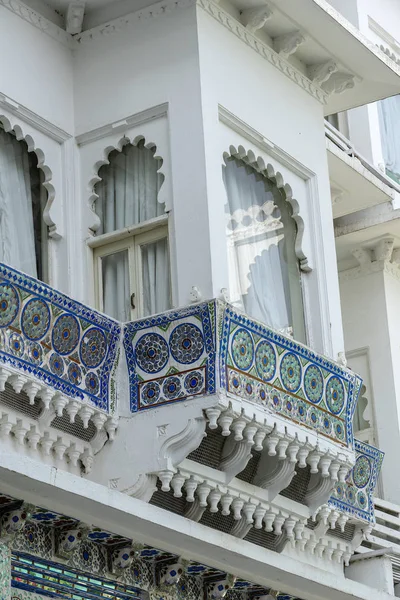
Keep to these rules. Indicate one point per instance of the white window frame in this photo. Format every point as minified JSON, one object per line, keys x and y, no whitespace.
{"x":130,"y":239}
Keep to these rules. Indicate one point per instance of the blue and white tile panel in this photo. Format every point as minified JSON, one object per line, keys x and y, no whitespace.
{"x":63,"y":343}
{"x":355,"y":496}
{"x":171,"y":356}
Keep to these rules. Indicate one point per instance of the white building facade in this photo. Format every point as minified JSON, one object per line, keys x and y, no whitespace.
{"x":199,"y":280}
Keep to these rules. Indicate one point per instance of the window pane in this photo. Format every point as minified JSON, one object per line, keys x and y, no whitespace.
{"x":264,"y":276}
{"x":116,"y":289}
{"x":389,"y":122}
{"x":128,"y":190}
{"x":156,"y":277}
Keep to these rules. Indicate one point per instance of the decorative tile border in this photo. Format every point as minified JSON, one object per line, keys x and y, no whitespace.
{"x":355,"y":496}
{"x":65,"y":344}
{"x":261,"y":365}
{"x":171,"y":356}
{"x":174,"y":356}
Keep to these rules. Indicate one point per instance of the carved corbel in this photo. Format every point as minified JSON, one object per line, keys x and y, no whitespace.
{"x":144,"y":487}
{"x":287,"y":44}
{"x":338,"y":83}
{"x":319,"y":491}
{"x":194,"y":512}
{"x":241,"y":528}
{"x":363,"y":255}
{"x":322,"y":72}
{"x":235,"y":456}
{"x":74,"y":18}
{"x":122,"y":558}
{"x":69,"y":540}
{"x":384,"y":249}
{"x":218,"y":589}
{"x":179,"y":446}
{"x":255,"y":18}
{"x":274,"y":474}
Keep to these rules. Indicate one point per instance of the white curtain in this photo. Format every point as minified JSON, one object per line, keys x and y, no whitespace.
{"x":17,"y":239}
{"x":260,"y":237}
{"x":389,"y":117}
{"x":128,"y":195}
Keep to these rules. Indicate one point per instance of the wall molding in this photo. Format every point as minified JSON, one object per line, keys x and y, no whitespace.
{"x":265,"y":51}
{"x":155,"y":112}
{"x":31,"y":118}
{"x":38,"y":21}
{"x":116,"y":25}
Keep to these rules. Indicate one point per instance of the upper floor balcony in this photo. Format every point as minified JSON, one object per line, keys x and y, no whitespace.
{"x":201,"y":410}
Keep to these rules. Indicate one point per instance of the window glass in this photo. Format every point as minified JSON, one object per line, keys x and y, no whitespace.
{"x":264,"y":274}
{"x":23,"y":232}
{"x":115,"y":276}
{"x":135,"y":283}
{"x":389,"y":119}
{"x":156,"y":277}
{"x":128,"y":190}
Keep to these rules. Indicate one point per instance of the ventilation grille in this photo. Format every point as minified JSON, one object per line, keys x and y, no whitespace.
{"x":210,"y":449}
{"x":20,"y":402}
{"x":217,"y":520}
{"x":311,"y":524}
{"x":76,"y":429}
{"x":249,"y":472}
{"x":260,"y":537}
{"x":298,"y":486}
{"x":347,"y":534}
{"x":167,"y":501}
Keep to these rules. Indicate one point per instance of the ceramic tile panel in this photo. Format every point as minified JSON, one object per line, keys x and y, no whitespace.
{"x":171,"y":356}
{"x":63,"y":343}
{"x":355,"y":496}
{"x":175,"y":356}
{"x":5,"y":571}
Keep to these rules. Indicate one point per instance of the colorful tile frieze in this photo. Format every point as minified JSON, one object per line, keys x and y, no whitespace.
{"x":171,"y":356}
{"x":63,"y":343}
{"x":355,"y":496}
{"x":174,"y":356}
{"x":263,"y":366}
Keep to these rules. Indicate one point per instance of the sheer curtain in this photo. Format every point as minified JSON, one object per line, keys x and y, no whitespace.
{"x":264,"y":278}
{"x":128,"y":195}
{"x":389,"y":117}
{"x":17,"y":239}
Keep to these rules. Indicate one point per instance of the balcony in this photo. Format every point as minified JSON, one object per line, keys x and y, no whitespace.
{"x":239,"y":427}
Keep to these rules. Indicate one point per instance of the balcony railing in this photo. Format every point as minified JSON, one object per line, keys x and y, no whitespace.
{"x":67,"y":354}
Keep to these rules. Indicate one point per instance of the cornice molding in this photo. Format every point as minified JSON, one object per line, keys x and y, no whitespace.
{"x":38,"y":21}
{"x":265,"y":51}
{"x":117,"y":25}
{"x":32,"y":118}
{"x":155,"y":112}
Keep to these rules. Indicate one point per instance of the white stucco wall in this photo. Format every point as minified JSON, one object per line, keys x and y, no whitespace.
{"x":267,"y":101}
{"x":368,"y":325}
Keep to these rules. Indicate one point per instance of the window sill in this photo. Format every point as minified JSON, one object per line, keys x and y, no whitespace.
{"x":121,"y":234}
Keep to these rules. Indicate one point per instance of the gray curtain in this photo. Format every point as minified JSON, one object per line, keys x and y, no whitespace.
{"x":23,"y":233}
{"x":389,"y":119}
{"x":128,"y":195}
{"x":264,"y":277}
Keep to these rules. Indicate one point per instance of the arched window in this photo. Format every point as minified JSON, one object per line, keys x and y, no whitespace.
{"x":132,"y":273}
{"x":264,"y":274}
{"x":23,"y":232}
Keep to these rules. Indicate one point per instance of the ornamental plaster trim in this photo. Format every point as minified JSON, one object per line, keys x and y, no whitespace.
{"x":11,"y":126}
{"x":38,"y":21}
{"x":265,"y":51}
{"x":163,"y":195}
{"x":268,"y":171}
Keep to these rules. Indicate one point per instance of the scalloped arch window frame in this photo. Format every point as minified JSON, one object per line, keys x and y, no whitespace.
{"x":238,"y":139}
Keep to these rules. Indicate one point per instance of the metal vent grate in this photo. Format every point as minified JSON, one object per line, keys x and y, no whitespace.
{"x":249,"y":471}
{"x":217,"y":520}
{"x":210,"y":449}
{"x":298,"y":486}
{"x":260,"y":537}
{"x":20,"y":402}
{"x":76,"y":429}
{"x":167,"y":501}
{"x":346,"y":535}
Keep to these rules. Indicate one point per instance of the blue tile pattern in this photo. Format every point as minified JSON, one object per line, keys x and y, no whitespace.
{"x":262,"y":366}
{"x":175,"y":356}
{"x":171,"y":356}
{"x":355,"y":496}
{"x":65,"y":344}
